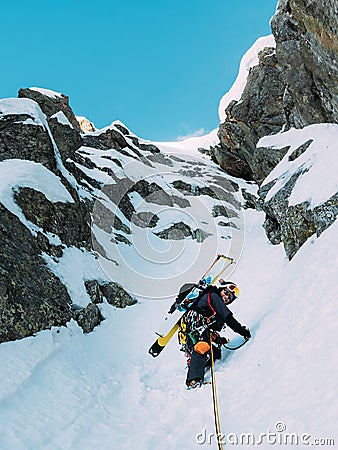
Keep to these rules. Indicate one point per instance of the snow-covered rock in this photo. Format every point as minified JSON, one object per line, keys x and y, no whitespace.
{"x":86,"y":216}
{"x":285,"y":81}
{"x":105,"y":191}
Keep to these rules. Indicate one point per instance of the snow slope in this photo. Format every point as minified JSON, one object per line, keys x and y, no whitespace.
{"x":151,"y":266}
{"x":318,"y":164}
{"x":65,"y":390}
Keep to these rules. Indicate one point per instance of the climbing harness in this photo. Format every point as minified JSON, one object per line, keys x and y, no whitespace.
{"x":186,"y":304}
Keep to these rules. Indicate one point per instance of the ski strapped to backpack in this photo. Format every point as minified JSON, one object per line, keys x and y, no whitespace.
{"x":188,"y":296}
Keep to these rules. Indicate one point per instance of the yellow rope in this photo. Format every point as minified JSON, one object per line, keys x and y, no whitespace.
{"x":213,"y":376}
{"x":215,"y":399}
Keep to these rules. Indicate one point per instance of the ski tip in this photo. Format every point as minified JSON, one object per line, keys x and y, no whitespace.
{"x":155,"y":349}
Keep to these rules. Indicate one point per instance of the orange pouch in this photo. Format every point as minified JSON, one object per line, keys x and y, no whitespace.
{"x":202,"y":347}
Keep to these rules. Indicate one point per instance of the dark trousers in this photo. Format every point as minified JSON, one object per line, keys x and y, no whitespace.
{"x":196,"y":367}
{"x":198,"y":361}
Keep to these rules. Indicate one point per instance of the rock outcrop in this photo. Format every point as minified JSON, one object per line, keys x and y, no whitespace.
{"x":51,"y":104}
{"x":73,"y":197}
{"x":294,"y":85}
{"x":40,"y":128}
{"x":31,"y":296}
{"x":297,"y":209}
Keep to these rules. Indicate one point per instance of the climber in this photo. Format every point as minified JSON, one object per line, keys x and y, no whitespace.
{"x":209,"y":315}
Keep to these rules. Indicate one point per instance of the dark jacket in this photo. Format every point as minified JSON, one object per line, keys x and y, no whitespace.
{"x":219,"y":315}
{"x":223,"y":314}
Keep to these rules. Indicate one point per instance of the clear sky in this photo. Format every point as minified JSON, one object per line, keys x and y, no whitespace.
{"x":159,"y":66}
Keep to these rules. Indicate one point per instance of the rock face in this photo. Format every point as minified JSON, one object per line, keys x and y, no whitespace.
{"x":294,"y":210}
{"x":65,"y":128}
{"x":31,"y":297}
{"x":68,"y":221}
{"x":108,"y":180}
{"x":51,"y":104}
{"x":70,"y":199}
{"x":22,"y":140}
{"x":41,"y":128}
{"x":307,"y":50}
{"x":85,"y":124}
{"x":293,"y":225}
{"x":294,"y":85}
{"x":260,"y":112}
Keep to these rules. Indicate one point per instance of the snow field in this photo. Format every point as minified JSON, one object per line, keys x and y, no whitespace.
{"x":63,"y":389}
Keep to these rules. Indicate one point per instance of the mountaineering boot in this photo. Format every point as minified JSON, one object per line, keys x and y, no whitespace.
{"x":193,"y":384}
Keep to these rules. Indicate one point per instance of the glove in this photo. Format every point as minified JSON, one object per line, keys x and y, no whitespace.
{"x":220,"y":340}
{"x":246,"y":333}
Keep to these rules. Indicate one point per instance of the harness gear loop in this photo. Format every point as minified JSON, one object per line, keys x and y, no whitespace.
{"x":208,"y":319}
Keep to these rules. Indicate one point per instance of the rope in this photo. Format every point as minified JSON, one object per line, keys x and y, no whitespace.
{"x":238,"y":346}
{"x":215,"y":400}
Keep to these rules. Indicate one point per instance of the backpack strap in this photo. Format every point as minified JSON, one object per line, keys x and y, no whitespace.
{"x":211,"y":307}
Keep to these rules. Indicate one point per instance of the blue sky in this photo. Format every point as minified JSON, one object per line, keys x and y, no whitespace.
{"x":160,"y":67}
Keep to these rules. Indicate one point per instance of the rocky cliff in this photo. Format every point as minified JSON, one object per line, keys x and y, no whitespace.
{"x":78,"y":205}
{"x":293,"y":85}
{"x":45,"y":210}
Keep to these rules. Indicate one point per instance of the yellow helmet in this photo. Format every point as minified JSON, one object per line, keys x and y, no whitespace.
{"x":230,"y":287}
